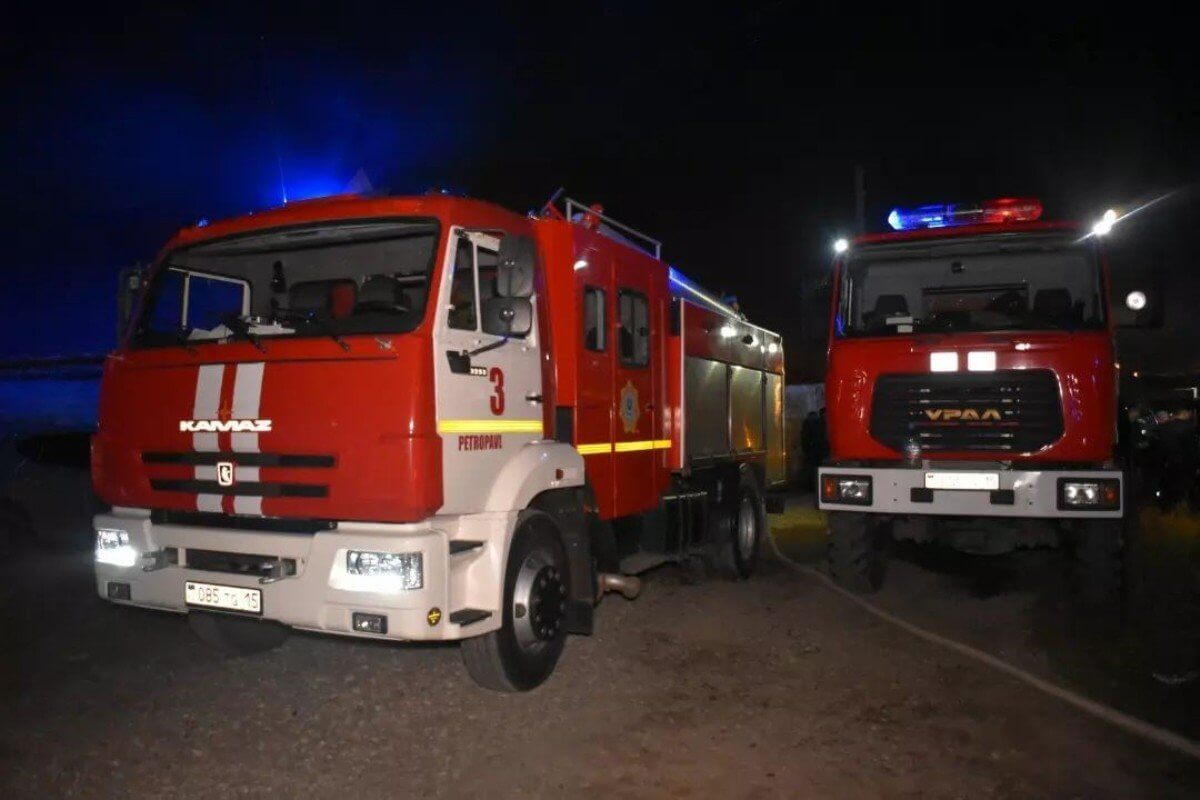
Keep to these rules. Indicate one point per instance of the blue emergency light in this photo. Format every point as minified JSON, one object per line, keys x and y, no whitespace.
{"x":1004,"y":209}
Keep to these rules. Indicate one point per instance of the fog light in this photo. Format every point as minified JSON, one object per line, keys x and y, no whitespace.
{"x":849,"y":489}
{"x":113,"y":548}
{"x":386,"y":572}
{"x":1083,"y":494}
{"x":117,"y":590}
{"x":369,"y":623}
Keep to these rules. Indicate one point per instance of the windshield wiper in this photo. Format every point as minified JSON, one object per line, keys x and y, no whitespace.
{"x":181,"y":338}
{"x":311,"y":318}
{"x":240,"y":327}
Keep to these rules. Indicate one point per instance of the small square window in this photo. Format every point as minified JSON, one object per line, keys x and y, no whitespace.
{"x":594,"y":319}
{"x":634,"y":316}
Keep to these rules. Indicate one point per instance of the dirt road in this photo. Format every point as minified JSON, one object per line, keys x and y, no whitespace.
{"x":772,"y":688}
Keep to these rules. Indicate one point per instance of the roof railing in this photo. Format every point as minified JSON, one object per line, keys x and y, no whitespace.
{"x":623,"y":232}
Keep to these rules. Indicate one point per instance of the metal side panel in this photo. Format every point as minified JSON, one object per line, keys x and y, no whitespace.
{"x":746,"y":409}
{"x":776,"y":443}
{"x":706,"y":412}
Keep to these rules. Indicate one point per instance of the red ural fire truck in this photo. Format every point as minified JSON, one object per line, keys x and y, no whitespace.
{"x":971,"y":390}
{"x":426,"y":418}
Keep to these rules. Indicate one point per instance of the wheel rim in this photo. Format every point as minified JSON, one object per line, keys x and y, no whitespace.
{"x":539,"y":601}
{"x":747,"y":530}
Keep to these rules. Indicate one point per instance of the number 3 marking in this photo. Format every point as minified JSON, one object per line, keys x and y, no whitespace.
{"x":496,"y":401}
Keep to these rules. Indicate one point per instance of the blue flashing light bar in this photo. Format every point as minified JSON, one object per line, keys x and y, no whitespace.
{"x":698,"y":295}
{"x":1001,"y":210}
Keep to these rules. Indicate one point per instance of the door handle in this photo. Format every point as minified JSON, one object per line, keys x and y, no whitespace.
{"x":533,"y":398}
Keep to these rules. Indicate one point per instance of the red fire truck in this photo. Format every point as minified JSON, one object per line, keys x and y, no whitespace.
{"x":971,"y":390}
{"x":426,"y":418}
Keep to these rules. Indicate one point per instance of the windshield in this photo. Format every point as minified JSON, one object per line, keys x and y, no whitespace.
{"x":945,"y":288}
{"x":322,"y":280}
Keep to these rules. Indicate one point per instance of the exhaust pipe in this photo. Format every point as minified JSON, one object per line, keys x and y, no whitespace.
{"x":629,"y":586}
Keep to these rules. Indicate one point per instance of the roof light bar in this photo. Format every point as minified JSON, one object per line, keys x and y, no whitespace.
{"x":999,"y":210}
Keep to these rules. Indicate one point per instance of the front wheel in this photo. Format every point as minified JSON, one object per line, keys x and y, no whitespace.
{"x":524,"y":651}
{"x":237,"y":636}
{"x":1097,"y":557}
{"x":857,"y":551}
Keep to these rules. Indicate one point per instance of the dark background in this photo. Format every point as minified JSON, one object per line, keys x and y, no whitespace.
{"x":732,"y":135}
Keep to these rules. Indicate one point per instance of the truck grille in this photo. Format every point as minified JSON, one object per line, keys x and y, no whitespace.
{"x":1009,"y":410}
{"x":252,"y":488}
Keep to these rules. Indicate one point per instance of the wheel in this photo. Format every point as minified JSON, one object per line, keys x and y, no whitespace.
{"x":857,"y":551}
{"x":522,"y":653}
{"x":237,"y":636}
{"x":1097,"y":560}
{"x":738,"y":544}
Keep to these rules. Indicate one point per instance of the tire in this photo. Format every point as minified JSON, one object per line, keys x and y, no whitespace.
{"x":1097,"y":561}
{"x":522,"y":653}
{"x":747,"y":524}
{"x":237,"y":636}
{"x":857,"y":551}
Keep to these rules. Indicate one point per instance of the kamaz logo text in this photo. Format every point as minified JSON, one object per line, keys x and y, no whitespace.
{"x":963,"y":415}
{"x":225,"y":426}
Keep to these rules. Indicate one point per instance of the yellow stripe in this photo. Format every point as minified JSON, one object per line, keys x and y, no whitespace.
{"x":490,"y":426}
{"x":622,"y":447}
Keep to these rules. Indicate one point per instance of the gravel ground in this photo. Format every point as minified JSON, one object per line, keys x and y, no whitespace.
{"x":771,"y":688}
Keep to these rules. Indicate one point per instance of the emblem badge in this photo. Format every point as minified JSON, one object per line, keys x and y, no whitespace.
{"x":225,"y":473}
{"x":629,"y":407}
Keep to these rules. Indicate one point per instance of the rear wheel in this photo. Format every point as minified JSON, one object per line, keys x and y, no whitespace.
{"x":857,"y":550}
{"x":237,"y":636}
{"x":1097,"y":560}
{"x":524,"y":651}
{"x":742,"y":525}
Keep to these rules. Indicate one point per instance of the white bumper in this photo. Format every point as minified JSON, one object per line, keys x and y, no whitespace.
{"x":1019,"y":493}
{"x":316,"y":597}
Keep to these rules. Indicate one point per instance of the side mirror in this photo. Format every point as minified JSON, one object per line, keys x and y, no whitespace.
{"x":130,"y":282}
{"x":514,"y":271}
{"x":507,"y":316}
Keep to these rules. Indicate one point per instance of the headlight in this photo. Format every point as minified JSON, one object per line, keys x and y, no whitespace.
{"x":384,"y":572}
{"x":1084,"y":494}
{"x":112,"y":547}
{"x":849,"y":489}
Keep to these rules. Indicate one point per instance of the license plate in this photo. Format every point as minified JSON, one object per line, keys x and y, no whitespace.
{"x":979,"y":481}
{"x":228,"y":598}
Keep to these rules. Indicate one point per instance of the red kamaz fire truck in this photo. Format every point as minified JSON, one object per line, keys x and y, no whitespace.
{"x":426,"y":418}
{"x":971,"y":390}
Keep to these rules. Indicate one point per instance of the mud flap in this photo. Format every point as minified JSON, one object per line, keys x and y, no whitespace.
{"x":566,"y":508}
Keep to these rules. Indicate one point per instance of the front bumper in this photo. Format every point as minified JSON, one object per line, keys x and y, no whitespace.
{"x":1020,"y":493}
{"x":314,"y":598}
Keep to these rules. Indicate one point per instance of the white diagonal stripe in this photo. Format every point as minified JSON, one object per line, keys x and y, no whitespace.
{"x":205,"y":406}
{"x":247,"y":399}
{"x":246,"y":504}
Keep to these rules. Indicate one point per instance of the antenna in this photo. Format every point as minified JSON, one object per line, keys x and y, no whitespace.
{"x":266,"y":75}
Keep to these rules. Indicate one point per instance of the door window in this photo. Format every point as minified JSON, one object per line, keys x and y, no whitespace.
{"x":473,"y":283}
{"x":634,"y":318}
{"x":462,"y":288}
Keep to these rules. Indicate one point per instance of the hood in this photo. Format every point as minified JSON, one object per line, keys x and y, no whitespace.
{"x":305,"y":430}
{"x":1050,"y":397}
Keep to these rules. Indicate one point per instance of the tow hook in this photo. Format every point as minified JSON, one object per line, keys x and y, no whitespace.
{"x":629,"y":586}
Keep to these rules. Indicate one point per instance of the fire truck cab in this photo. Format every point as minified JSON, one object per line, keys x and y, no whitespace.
{"x":972,"y":391}
{"x":426,"y":418}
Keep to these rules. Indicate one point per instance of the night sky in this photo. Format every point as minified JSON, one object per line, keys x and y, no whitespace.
{"x":730,"y":135}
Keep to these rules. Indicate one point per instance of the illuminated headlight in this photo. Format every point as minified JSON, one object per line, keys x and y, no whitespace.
{"x":112,"y":547}
{"x":386,"y":571}
{"x":850,"y":489}
{"x":1081,"y":494}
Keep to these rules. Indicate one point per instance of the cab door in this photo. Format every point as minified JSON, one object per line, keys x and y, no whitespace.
{"x":489,"y":410}
{"x":636,"y":437}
